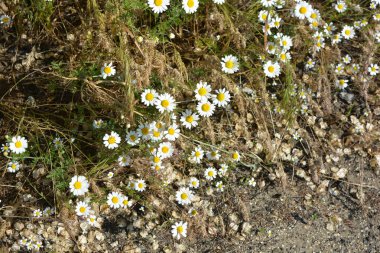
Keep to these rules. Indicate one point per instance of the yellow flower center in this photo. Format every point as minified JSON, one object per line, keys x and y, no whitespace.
{"x":171,"y":131}
{"x":115,"y":200}
{"x":5,"y":20}
{"x":149,"y":96}
{"x":284,"y":43}
{"x":157,"y":167}
{"x":77,"y":185}
{"x":283,"y":57}
{"x":202,"y":91}
{"x":145,"y":131}
{"x":125,"y":202}
{"x":303,"y":10}
{"x":229,"y":64}
{"x":132,"y":137}
{"x":165,"y":103}
{"x":140,"y":185}
{"x":92,"y":220}
{"x":264,"y":16}
{"x":111,"y":140}
{"x":340,"y":6}
{"x":82,"y":209}
{"x":165,"y":149}
{"x":235,"y":156}
{"x":197,"y":154}
{"x":107,"y":70}
{"x":347,"y":32}
{"x":18,"y":144}
{"x":189,"y":119}
{"x":156,"y":134}
{"x":315,"y":23}
{"x":190,"y":3}
{"x":271,"y":69}
{"x":210,"y":173}
{"x":313,"y":15}
{"x":158,"y":2}
{"x":206,"y":107}
{"x":156,"y":159}
{"x":220,"y":96}
{"x":13,"y":166}
{"x":180,"y":229}
{"x":184,"y":196}
{"x":159,"y":125}
{"x":194,"y":183}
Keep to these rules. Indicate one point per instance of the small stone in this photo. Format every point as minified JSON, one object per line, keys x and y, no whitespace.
{"x":99,"y":236}
{"x":330,"y":227}
{"x":82,"y":239}
{"x":19,"y":226}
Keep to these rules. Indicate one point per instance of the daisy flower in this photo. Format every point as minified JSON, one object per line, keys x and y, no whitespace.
{"x":179,"y":229}
{"x":221,"y":98}
{"x":252,"y":182}
{"x":267,"y":3}
{"x":132,"y":138}
{"x":165,"y":149}
{"x":157,"y":166}
{"x":110,"y":174}
{"x":376,"y":17}
{"x":172,"y":132}
{"x":339,"y":69}
{"x":272,"y":69}
{"x":205,"y":108}
{"x":5,"y":20}
{"x":158,"y":6}
{"x":189,"y":119}
{"x":223,"y":170}
{"x":284,"y":56}
{"x":373,"y":69}
{"x":144,"y":131}
{"x":286,"y":42}
{"x":348,"y":32}
{"x":264,"y":16}
{"x":156,"y":158}
{"x":230,"y":64}
{"x":302,"y":10}
{"x":219,"y":1}
{"x":336,"y":38}
{"x":210,"y":173}
{"x":148,"y":97}
{"x":112,"y":140}
{"x":197,"y":155}
{"x":192,"y":212}
{"x":275,"y":22}
{"x":213,"y":155}
{"x":37,"y":213}
{"x":194,"y":183}
{"x":57,"y":142}
{"x":190,"y":6}
{"x":82,"y":209}
{"x":184,"y":196}
{"x":5,"y":147}
{"x":342,"y":83}
{"x":347,"y":59}
{"x":329,"y":28}
{"x":78,"y":185}
{"x":92,"y":221}
{"x":310,"y":63}
{"x":156,"y":134}
{"x":18,"y":144}
{"x":219,"y":186}
{"x":48,"y":211}
{"x":124,"y":160}
{"x":140,"y":185}
{"x":235,"y":156}
{"x":202,"y":91}
{"x":165,"y":103}
{"x":108,"y":70}
{"x":340,"y":6}
{"x":98,"y":123}
{"x":114,"y":199}
{"x":126,"y":202}
{"x":13,"y":167}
